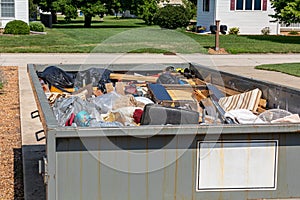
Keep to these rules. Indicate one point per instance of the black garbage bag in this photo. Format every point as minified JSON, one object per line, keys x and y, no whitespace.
{"x":97,"y":76}
{"x":168,"y":78}
{"x":57,"y":77}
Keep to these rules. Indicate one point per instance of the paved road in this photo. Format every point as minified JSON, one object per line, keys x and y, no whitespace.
{"x":32,"y":150}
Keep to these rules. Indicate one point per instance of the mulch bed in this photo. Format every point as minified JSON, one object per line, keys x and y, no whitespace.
{"x":11,"y":170}
{"x":220,"y":51}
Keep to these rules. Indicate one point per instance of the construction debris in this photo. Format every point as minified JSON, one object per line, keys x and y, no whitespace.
{"x":103,"y":98}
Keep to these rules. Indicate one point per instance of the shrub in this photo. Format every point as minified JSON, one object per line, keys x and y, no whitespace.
{"x":172,"y":17}
{"x":234,"y":30}
{"x":293,"y":32}
{"x":16,"y":27}
{"x":37,"y":26}
{"x":266,"y":31}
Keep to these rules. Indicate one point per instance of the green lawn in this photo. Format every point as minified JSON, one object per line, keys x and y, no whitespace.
{"x":132,"y":35}
{"x":287,"y":68}
{"x":251,"y":43}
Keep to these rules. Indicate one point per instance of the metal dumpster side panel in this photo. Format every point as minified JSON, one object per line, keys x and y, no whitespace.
{"x":50,"y":171}
{"x":80,"y":175}
{"x":45,"y":112}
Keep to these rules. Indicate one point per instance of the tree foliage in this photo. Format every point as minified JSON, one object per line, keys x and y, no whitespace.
{"x":172,"y":17}
{"x":191,"y":8}
{"x":32,"y":9}
{"x":69,"y":8}
{"x":113,"y":6}
{"x":287,"y":11}
{"x":148,"y":10}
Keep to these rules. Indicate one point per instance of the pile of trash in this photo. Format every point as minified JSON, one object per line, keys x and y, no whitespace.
{"x":99,"y":97}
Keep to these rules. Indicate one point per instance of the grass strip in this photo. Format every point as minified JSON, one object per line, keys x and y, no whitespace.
{"x":287,"y":68}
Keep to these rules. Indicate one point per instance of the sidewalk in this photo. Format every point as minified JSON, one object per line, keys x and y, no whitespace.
{"x":242,"y":64}
{"x":33,"y":151}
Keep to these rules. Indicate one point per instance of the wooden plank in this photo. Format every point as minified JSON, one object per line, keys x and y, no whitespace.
{"x":227,"y":91}
{"x":199,"y":81}
{"x":263,"y":103}
{"x":230,"y":92}
{"x":184,"y":87}
{"x":180,"y":95}
{"x":128,"y":77}
{"x":260,"y":110}
{"x":198,"y":95}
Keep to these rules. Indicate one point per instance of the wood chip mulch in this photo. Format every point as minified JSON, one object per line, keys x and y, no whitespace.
{"x":220,"y":51}
{"x":11,"y":170}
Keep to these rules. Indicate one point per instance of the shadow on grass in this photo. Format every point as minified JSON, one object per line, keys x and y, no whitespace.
{"x":275,"y":38}
{"x":94,"y":26}
{"x":97,"y":24}
{"x":18,"y":175}
{"x":208,"y":47}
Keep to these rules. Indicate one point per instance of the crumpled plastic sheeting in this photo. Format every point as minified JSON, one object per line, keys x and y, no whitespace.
{"x":112,"y":101}
{"x":106,"y":101}
{"x":242,"y":116}
{"x":103,"y":124}
{"x":294,"y":118}
{"x":64,"y":107}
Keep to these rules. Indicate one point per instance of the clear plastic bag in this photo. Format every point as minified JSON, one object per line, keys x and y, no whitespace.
{"x":105,"y":102}
{"x":64,"y":107}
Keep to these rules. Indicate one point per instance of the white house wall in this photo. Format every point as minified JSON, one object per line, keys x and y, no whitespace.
{"x":249,"y":22}
{"x":206,"y":18}
{"x":21,"y":13}
{"x":21,"y":8}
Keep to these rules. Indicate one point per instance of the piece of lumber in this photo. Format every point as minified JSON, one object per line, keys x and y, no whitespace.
{"x":263,"y":103}
{"x":260,"y":110}
{"x":129,"y":77}
{"x":199,"y":81}
{"x":199,"y":95}
{"x":227,"y":91}
{"x":180,"y":95}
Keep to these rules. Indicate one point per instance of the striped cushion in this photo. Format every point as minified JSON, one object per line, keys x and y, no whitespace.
{"x":248,"y":100}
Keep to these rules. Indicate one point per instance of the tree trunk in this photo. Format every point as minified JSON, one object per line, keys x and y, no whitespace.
{"x":54,"y":17}
{"x":87,"y":21}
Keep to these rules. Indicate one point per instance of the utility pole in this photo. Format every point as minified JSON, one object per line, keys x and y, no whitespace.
{"x":217,"y":39}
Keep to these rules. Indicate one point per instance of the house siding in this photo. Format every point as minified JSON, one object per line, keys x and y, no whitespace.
{"x":21,"y":13}
{"x":249,"y":22}
{"x":206,"y":18}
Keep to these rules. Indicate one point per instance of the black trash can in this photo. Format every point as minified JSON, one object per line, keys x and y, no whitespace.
{"x":213,"y":29}
{"x":223,"y":29}
{"x":46,"y":19}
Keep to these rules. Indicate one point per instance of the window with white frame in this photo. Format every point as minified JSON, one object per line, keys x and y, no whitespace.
{"x":7,"y":8}
{"x":248,"y":5}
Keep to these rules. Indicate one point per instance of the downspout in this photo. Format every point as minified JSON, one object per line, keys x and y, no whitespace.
{"x":216,"y":14}
{"x":278,"y":28}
